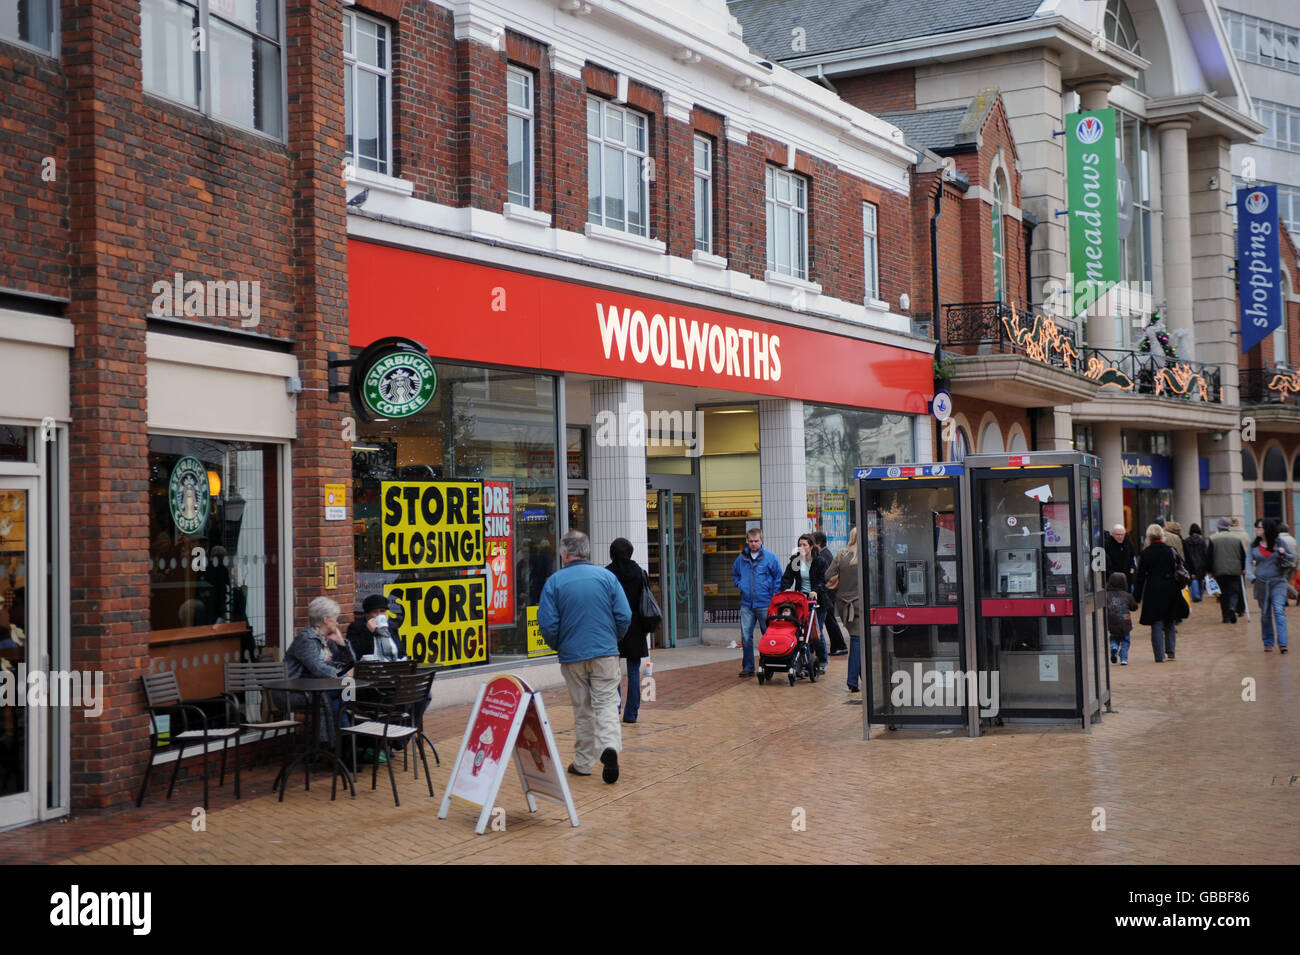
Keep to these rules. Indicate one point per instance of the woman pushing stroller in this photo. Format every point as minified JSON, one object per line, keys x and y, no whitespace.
{"x":806,"y":573}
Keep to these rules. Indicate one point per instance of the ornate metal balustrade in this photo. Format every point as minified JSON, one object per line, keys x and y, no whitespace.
{"x":1010,"y":328}
{"x":1272,"y":384}
{"x":1147,"y":374}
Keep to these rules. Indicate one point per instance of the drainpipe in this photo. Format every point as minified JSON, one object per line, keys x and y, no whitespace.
{"x":821,"y":78}
{"x":934,"y":262}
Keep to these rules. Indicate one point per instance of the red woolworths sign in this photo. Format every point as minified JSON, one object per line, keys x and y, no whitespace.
{"x":477,"y":313}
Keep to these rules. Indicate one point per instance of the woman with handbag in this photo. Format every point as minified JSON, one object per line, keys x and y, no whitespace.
{"x":848,"y":603}
{"x":1161,"y":593}
{"x":1269,"y":563}
{"x":633,"y":646}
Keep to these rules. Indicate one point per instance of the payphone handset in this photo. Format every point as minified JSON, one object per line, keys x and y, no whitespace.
{"x":1018,"y":571}
{"x":911,"y":582}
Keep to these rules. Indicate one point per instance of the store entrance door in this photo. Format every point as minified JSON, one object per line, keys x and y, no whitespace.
{"x":672,"y":530}
{"x":22,"y":650}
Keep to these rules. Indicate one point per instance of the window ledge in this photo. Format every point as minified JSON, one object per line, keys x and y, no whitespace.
{"x":520,"y":213}
{"x":778,"y":278}
{"x":382,"y":183}
{"x":593,"y":231}
{"x":708,"y":260}
{"x":876,"y":303}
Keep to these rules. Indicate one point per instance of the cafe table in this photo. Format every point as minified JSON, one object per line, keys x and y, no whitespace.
{"x":313,"y":688}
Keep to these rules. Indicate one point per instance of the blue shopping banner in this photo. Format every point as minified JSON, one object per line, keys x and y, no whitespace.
{"x":1146,"y":470}
{"x":1259,"y":274}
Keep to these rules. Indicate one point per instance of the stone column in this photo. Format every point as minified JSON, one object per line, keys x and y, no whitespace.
{"x":1187,"y":480}
{"x":1109,"y":446}
{"x":783,"y":479}
{"x":1177,"y":233}
{"x":617,"y":468}
{"x":1214,"y":306}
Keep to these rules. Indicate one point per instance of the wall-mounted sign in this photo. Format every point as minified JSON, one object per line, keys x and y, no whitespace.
{"x":1093,"y":195}
{"x":556,"y":324}
{"x":1259,"y":273}
{"x":1146,"y":470}
{"x":336,"y":502}
{"x":431,"y":525}
{"x":188,"y":496}
{"x":444,"y":621}
{"x":393,"y":378}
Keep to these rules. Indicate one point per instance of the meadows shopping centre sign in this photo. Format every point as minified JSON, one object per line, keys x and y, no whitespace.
{"x":1093,"y":200}
{"x":1259,"y":266}
{"x":482,"y":314}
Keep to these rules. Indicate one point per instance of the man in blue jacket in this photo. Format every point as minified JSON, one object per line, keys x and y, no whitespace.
{"x":582,"y":613}
{"x":757,"y":575}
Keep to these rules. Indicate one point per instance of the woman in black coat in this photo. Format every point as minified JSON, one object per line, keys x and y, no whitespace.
{"x":1162,"y":599}
{"x":632,"y":645}
{"x":806,"y":572}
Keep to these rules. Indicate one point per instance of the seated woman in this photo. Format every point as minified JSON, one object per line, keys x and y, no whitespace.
{"x":320,"y":650}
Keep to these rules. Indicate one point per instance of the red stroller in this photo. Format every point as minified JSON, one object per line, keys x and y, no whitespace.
{"x":791,"y":638}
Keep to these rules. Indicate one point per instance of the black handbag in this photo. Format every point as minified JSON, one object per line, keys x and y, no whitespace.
{"x":648,"y":610}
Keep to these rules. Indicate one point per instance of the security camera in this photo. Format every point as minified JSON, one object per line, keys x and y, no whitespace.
{"x":1218,"y":436}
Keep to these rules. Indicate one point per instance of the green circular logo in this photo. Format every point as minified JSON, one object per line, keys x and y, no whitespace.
{"x":399,"y":384}
{"x":187,"y":493}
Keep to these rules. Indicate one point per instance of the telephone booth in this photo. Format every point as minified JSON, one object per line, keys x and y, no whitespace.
{"x":1039,"y":606}
{"x":912,"y":530}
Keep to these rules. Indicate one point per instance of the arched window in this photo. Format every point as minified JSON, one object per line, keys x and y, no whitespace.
{"x":1017,"y":442}
{"x":999,"y":239}
{"x":1121,"y":31}
{"x":1274,"y":465}
{"x":991,"y":439}
{"x":960,"y":446}
{"x":1248,"y":472}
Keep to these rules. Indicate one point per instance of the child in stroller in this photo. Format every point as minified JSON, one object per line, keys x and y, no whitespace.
{"x":790,"y":643}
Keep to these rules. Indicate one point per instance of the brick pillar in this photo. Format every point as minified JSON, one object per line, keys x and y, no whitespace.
{"x":677,"y":183}
{"x":569,"y":154}
{"x":782,"y":476}
{"x":108,"y":486}
{"x":320,"y":455}
{"x":481,"y":126}
{"x":617,"y":470}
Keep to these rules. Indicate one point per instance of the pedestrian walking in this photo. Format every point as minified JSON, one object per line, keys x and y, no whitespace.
{"x":806,"y":573}
{"x":1120,"y":558}
{"x":582,"y":611}
{"x":1120,"y":605}
{"x":833,"y":632}
{"x":1196,"y":554}
{"x":1228,"y":562}
{"x":1269,"y":565}
{"x":1161,"y":596}
{"x":757,"y":575}
{"x":848,"y":603}
{"x":633,"y":646}
{"x":1174,"y":537}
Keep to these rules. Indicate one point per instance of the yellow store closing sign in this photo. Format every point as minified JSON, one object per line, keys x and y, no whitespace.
{"x":445,"y":620}
{"x":536,"y":645}
{"x":432,"y":525}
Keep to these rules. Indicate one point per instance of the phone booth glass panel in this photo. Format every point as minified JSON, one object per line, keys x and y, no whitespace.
{"x":910,"y":529}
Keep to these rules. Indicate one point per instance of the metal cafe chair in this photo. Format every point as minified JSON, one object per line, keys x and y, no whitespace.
{"x":258,"y":710}
{"x":389,"y":721}
{"x":163,"y":698}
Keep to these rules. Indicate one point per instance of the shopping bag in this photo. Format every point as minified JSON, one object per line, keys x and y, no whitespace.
{"x":1212,"y":586}
{"x":1187,"y":596}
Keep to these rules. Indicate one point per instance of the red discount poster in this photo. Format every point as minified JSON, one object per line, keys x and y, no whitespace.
{"x":498,"y":544}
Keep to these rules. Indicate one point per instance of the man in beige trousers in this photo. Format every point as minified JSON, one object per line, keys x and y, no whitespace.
{"x":582,"y":613}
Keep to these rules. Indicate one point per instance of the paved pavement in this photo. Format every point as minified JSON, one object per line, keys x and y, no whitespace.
{"x":718,"y":769}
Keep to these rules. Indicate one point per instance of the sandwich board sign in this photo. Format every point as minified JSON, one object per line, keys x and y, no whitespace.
{"x":508,"y":724}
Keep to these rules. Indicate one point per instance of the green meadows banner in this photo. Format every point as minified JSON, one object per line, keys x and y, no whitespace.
{"x":1092,"y":200}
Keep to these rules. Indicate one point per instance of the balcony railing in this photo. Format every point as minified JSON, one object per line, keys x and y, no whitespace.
{"x":994,"y":328}
{"x":1010,"y":328}
{"x":1272,"y":384}
{"x":1147,"y":374}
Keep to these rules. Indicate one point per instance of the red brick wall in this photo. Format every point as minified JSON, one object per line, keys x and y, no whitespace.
{"x":33,"y":212}
{"x":425,"y":107}
{"x":889,"y":92}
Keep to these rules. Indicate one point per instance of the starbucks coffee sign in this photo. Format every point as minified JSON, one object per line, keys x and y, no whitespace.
{"x":393,"y":378}
{"x":187,"y":495}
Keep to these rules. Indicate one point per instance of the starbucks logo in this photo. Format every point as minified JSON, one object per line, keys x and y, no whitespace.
{"x":1089,"y":130}
{"x":1256,"y":203}
{"x":399,"y":384}
{"x":187,"y":494}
